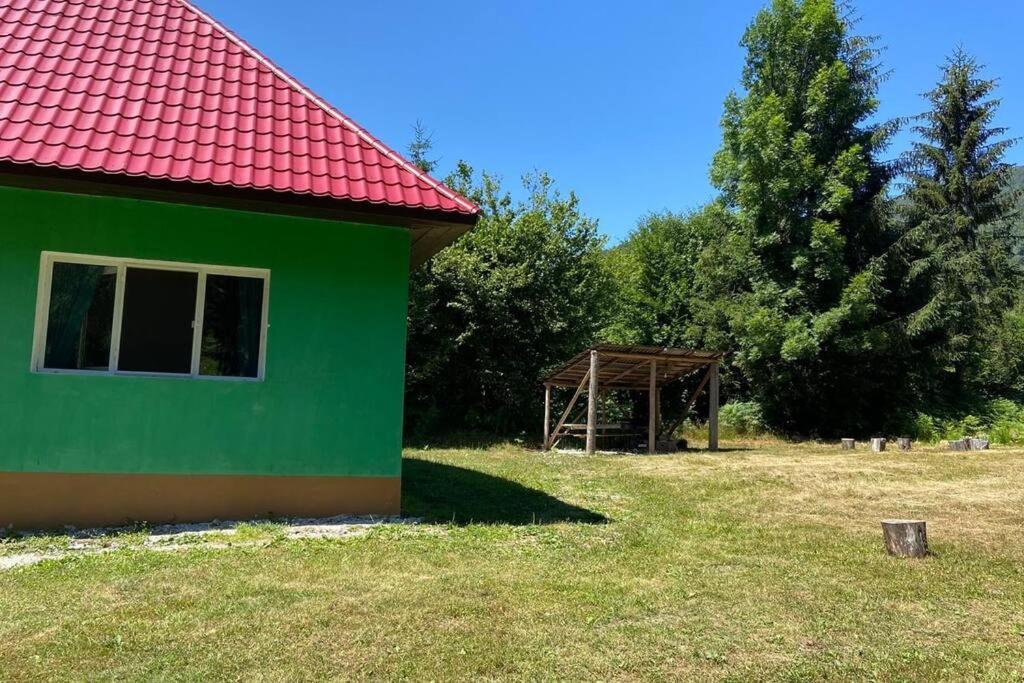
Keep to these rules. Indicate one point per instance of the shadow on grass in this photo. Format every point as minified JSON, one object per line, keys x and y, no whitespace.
{"x":659,"y":454}
{"x":475,"y":440}
{"x":706,"y":451}
{"x":445,"y":494}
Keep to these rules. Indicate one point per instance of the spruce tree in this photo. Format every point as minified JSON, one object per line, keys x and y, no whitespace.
{"x":420,"y":148}
{"x":958,"y":212}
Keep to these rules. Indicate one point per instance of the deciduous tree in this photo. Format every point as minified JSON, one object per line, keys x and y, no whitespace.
{"x":799,"y":168}
{"x":524,"y":290}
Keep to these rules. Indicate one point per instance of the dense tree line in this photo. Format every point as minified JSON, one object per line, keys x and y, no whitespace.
{"x":853,"y":292}
{"x":525,"y":289}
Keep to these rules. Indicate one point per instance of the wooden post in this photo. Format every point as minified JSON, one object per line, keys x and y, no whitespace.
{"x":547,"y":415}
{"x":713,"y":408}
{"x":652,"y":402}
{"x":657,"y":412}
{"x":592,"y":406}
{"x":905,"y":537}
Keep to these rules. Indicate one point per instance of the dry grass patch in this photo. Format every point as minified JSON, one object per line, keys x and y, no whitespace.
{"x":975,"y":498}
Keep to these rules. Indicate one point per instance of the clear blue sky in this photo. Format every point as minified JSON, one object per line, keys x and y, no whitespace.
{"x":618,"y":101}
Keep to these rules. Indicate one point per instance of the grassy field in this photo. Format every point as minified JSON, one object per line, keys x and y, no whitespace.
{"x":760,"y":562}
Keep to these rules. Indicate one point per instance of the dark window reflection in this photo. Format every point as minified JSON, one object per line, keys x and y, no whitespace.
{"x":157,"y":325}
{"x":232,"y":324}
{"x":81,"y":317}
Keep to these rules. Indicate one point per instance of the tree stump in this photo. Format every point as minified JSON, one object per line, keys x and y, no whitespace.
{"x":848,"y":444}
{"x":904,"y":443}
{"x":905,"y":537}
{"x":877,"y":444}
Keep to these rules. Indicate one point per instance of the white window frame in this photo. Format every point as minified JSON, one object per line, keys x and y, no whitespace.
{"x":42,"y":323}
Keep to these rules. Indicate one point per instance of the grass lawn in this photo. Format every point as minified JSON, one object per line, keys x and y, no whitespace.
{"x":763,"y":562}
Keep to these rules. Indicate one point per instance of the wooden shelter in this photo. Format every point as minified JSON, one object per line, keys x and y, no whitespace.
{"x":634,"y":368}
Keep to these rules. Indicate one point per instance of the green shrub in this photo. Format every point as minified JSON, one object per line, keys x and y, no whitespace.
{"x":1005,"y":410}
{"x":925,"y":428}
{"x":1006,"y":432}
{"x":1007,"y":419}
{"x":1002,"y":420}
{"x":743,"y":418}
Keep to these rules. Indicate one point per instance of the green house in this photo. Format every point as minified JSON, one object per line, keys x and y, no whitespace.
{"x":203,"y":273}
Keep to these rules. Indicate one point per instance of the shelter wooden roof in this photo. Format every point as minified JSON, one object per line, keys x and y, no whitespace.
{"x":628,"y":367}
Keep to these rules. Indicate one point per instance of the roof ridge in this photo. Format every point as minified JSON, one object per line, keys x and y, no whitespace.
{"x":327,"y":108}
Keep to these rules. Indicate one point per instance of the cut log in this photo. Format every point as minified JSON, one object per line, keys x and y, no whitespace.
{"x":904,"y":443}
{"x":969,"y":443}
{"x":905,"y":537}
{"x":848,"y":444}
{"x":877,"y":444}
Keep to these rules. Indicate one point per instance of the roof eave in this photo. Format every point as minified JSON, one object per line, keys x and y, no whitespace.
{"x":432,"y":229}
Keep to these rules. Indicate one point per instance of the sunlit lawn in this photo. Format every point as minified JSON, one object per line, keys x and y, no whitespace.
{"x":763,"y":562}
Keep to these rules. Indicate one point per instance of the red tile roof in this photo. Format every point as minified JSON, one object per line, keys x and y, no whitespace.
{"x":158,"y":89}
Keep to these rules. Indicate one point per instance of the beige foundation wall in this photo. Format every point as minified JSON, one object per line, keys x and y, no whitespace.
{"x":33,"y":500}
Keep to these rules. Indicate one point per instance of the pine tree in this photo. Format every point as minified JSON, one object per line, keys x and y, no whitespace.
{"x":799,"y":168}
{"x":958,"y":210}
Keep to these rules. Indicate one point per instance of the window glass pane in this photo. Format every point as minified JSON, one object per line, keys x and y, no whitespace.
{"x":232,"y":323}
{"x":81,"y":317}
{"x":156,"y":329}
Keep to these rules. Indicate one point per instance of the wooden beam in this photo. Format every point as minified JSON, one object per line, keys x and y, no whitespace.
{"x":575,"y":422}
{"x":713,"y":409}
{"x":666,"y":366}
{"x":592,"y":404}
{"x":547,"y":415}
{"x":632,"y":386}
{"x":631,"y":368}
{"x":652,"y":404}
{"x":578,"y":418}
{"x":561,"y":421}
{"x":677,"y":358}
{"x":689,"y":404}
{"x":636,"y":378}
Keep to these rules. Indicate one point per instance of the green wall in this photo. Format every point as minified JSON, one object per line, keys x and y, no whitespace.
{"x":331,"y":403}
